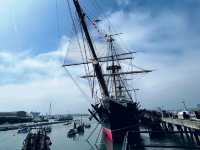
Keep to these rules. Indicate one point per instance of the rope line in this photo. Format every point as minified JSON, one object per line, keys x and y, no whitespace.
{"x":78,"y":86}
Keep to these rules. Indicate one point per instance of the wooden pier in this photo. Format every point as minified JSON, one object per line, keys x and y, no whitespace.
{"x":158,"y":126}
{"x":182,"y":122}
{"x":127,"y":146}
{"x":189,"y":128}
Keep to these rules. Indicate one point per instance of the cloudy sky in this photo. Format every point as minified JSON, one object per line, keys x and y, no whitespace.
{"x":34,"y":37}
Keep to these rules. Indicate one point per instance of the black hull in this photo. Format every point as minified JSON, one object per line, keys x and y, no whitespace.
{"x":120,"y":118}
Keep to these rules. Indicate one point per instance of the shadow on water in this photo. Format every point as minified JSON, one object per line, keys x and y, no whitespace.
{"x":169,"y":140}
{"x":145,"y":140}
{"x":107,"y":144}
{"x":101,"y":143}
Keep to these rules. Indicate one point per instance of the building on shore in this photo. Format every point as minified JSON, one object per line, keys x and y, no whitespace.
{"x":14,"y":117}
{"x":14,"y":114}
{"x":35,"y":114}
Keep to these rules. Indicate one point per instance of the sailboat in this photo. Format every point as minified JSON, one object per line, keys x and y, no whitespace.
{"x":115,"y":109}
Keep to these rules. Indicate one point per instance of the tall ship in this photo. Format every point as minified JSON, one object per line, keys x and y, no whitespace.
{"x":115,"y":107}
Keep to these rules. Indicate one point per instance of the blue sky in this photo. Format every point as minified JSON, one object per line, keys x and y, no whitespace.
{"x":34,"y":36}
{"x":30,"y":25}
{"x":39,"y":25}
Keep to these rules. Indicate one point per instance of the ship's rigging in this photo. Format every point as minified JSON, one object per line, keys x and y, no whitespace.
{"x":113,"y":75}
{"x":115,"y":108}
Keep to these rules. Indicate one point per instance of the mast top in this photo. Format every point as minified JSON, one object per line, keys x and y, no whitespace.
{"x":96,"y":65}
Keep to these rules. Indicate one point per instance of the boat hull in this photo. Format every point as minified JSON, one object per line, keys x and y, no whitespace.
{"x":117,"y":118}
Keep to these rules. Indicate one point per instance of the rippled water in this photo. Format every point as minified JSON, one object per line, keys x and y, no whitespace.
{"x":10,"y":140}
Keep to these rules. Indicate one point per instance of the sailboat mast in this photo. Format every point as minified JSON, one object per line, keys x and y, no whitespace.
{"x":96,"y":65}
{"x":110,"y":40}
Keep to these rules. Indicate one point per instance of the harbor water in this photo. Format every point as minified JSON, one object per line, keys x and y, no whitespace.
{"x":10,"y":140}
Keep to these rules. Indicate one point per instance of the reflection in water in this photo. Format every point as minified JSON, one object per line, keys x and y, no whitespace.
{"x":74,"y":137}
{"x":106,"y":143}
{"x":169,"y":140}
{"x":60,"y":140}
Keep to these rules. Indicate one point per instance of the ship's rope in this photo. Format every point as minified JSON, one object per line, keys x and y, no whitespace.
{"x":126,"y":127}
{"x":75,"y":28}
{"x":115,"y":55}
{"x":125,"y":142}
{"x":94,"y":146}
{"x":91,"y":83}
{"x":78,"y":86}
{"x":113,"y":50}
{"x":79,"y":45}
{"x":82,"y":50}
{"x":92,"y":132}
{"x":98,"y":9}
{"x":113,"y":27}
{"x":98,"y":136}
{"x":86,"y":97}
{"x":86,"y":67}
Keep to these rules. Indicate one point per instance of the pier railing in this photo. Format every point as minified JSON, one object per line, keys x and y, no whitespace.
{"x":183,"y":122}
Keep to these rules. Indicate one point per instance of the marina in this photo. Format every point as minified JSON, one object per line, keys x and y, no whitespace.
{"x":37,"y":140}
{"x":190,"y":128}
{"x":29,"y":125}
{"x":192,"y":124}
{"x":71,"y":79}
{"x":59,"y":140}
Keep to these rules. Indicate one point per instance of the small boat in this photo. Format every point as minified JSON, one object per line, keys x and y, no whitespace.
{"x":48,"y":129}
{"x":79,"y":125}
{"x":87,"y":125}
{"x":23,"y":130}
{"x":71,"y":132}
{"x":68,"y":123}
{"x":197,"y":113}
{"x":37,"y":140}
{"x":80,"y":128}
{"x":65,"y":118}
{"x":186,"y":115}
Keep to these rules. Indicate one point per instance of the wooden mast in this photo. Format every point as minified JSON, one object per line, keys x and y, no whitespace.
{"x":96,"y":65}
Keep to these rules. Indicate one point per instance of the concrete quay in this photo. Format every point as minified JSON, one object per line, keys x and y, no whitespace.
{"x":17,"y":126}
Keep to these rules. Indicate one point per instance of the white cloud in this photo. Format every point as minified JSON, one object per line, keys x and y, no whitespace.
{"x":165,"y":31}
{"x":37,"y":95}
{"x":165,"y":43}
{"x":175,"y":79}
{"x":30,"y":82}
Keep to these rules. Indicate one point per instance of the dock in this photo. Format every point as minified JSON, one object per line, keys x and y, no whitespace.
{"x":29,"y":125}
{"x":193,"y":124}
{"x":189,"y":128}
{"x":158,"y":125}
